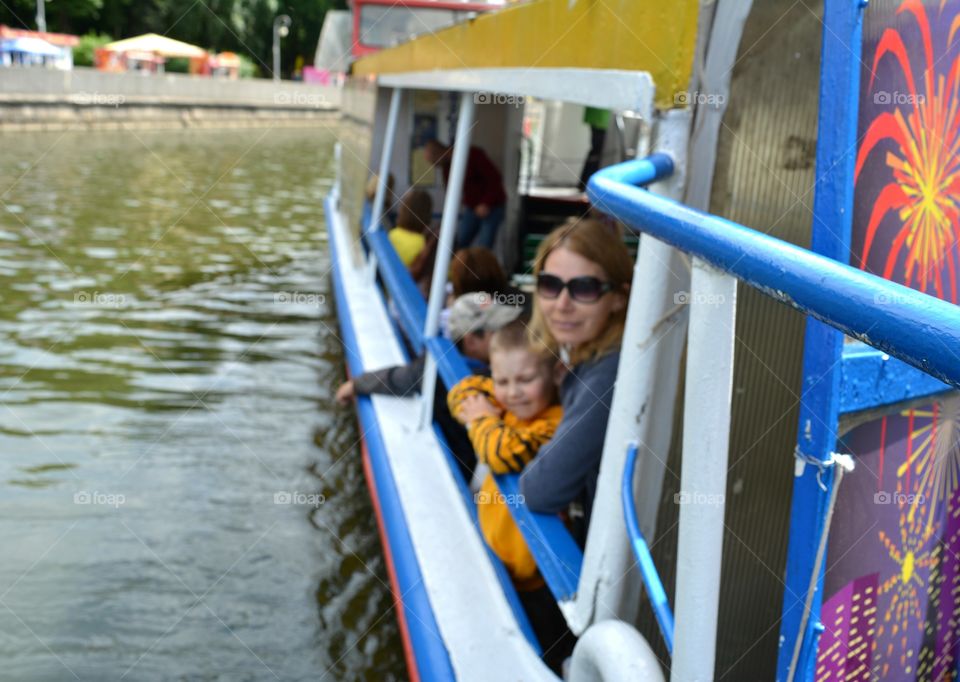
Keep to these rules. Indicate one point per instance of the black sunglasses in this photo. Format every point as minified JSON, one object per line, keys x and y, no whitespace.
{"x":582,"y":289}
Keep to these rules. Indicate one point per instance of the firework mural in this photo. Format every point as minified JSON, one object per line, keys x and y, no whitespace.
{"x":891,"y":607}
{"x":909,"y":155}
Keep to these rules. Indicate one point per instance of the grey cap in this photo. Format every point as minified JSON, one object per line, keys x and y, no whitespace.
{"x":478,"y":311}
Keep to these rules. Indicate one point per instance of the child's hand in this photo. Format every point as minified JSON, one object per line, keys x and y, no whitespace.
{"x":345,"y":393}
{"x":474,"y":407}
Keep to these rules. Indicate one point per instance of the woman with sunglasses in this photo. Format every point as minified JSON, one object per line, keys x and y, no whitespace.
{"x":583,"y":273}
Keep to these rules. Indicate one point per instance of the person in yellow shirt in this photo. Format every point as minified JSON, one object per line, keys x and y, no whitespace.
{"x":414,"y":217}
{"x":508,"y":416}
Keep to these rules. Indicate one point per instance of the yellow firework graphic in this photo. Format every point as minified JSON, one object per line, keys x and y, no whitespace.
{"x":934,"y":457}
{"x":906,"y":587}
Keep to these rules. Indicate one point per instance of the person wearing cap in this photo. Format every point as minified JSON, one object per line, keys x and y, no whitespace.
{"x":472,"y":319}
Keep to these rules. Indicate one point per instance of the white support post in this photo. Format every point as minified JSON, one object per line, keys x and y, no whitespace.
{"x":377,"y":210}
{"x":642,"y":409}
{"x":448,"y":229}
{"x":703,"y":477}
{"x":338,"y":164}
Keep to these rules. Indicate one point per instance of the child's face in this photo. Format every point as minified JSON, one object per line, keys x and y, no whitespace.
{"x":522,"y":382}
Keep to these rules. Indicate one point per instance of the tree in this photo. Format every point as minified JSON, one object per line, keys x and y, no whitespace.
{"x":241,"y":26}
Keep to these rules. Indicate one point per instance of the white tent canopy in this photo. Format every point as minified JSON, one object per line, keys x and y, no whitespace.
{"x":31,"y":46}
{"x":157,"y":44}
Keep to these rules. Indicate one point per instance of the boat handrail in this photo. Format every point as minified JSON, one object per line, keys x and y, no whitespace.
{"x":651,"y":578}
{"x":558,"y":556}
{"x":919,"y":329}
{"x":407,"y":300}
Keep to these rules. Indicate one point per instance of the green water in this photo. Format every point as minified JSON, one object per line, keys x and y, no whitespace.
{"x":179,"y":498}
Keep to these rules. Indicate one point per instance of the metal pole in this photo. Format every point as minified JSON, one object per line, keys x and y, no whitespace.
{"x":642,"y":408}
{"x":281,"y":26}
{"x":377,"y":210}
{"x":448,"y":228}
{"x":41,"y":16}
{"x":703,"y":473}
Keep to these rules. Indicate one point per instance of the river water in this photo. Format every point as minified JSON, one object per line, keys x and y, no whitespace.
{"x":179,"y":498}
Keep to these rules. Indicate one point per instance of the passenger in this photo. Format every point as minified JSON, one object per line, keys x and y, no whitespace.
{"x":508,"y":416}
{"x":414,"y":215}
{"x":473,"y":317}
{"x":390,"y":199}
{"x":484,"y":198}
{"x":583,"y":273}
{"x":474,"y":269}
{"x":471,"y":270}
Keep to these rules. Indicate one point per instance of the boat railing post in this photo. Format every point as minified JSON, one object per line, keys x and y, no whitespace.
{"x":642,"y":408}
{"x":448,"y":228}
{"x":377,"y":212}
{"x":703,"y":472}
{"x":338,"y":166}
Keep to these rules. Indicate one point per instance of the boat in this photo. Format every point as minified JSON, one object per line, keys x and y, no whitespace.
{"x":779,"y":494}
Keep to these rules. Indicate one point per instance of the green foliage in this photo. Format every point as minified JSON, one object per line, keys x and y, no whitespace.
{"x":83,"y":52}
{"x":241,"y":26}
{"x":248,"y":69}
{"x":177,"y":65}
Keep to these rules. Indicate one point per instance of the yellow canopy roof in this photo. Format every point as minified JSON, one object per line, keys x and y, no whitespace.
{"x":658,"y":36}
{"x":161,"y":45}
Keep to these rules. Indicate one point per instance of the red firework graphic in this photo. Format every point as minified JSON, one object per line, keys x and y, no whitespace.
{"x":924,"y":189}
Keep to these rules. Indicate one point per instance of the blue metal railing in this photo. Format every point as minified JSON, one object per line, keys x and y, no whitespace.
{"x":407,"y":300}
{"x":651,"y":579}
{"x":920,"y":330}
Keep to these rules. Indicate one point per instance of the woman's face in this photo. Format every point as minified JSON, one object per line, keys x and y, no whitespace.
{"x":571,"y":322}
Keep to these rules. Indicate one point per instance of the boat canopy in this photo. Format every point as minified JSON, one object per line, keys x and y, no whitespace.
{"x":613,"y":36}
{"x":606,"y":88}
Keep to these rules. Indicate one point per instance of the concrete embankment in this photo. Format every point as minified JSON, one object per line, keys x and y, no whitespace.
{"x":46,"y":99}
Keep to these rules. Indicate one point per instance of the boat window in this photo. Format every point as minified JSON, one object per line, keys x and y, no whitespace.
{"x":386,"y":25}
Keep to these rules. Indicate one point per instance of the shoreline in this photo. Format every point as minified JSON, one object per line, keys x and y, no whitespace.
{"x":86,"y":99}
{"x":56,"y":117}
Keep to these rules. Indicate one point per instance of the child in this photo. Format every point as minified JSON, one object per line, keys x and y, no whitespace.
{"x":508,"y":417}
{"x":414,"y":215}
{"x":472,"y":320}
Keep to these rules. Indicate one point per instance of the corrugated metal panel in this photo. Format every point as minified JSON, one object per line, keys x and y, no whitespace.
{"x":764,"y":178}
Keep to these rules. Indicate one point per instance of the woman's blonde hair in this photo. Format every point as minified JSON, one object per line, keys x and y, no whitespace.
{"x":600,"y":244}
